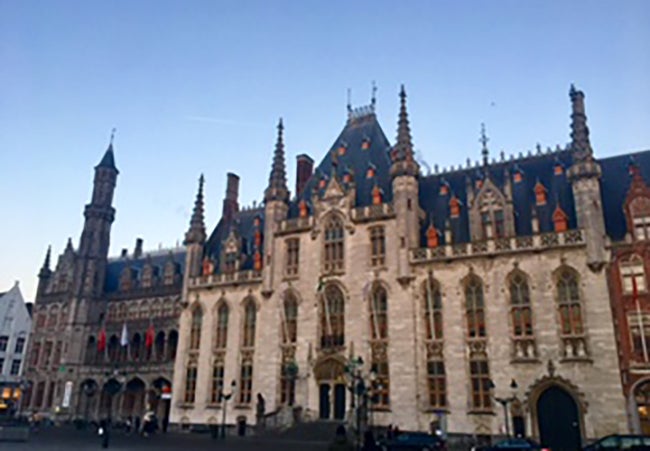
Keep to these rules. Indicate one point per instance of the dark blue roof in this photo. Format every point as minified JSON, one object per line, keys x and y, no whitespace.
{"x":115,"y":267}
{"x":533,"y":168}
{"x":244,"y":226}
{"x":108,"y":160}
{"x":357,"y":160}
{"x":615,"y":184}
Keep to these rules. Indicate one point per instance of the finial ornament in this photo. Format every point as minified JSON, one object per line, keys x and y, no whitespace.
{"x":484,"y":140}
{"x":373,"y":99}
{"x":349,"y":106}
{"x":113,"y":135}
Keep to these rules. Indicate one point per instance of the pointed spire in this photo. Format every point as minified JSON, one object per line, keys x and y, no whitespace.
{"x":45,"y":270}
{"x":580,"y":144}
{"x":402,"y":153}
{"x":484,"y":140}
{"x":68,"y":246}
{"x":196,"y":232}
{"x":108,"y":160}
{"x":277,"y":189}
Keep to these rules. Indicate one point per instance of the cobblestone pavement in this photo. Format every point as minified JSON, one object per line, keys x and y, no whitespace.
{"x":65,"y":439}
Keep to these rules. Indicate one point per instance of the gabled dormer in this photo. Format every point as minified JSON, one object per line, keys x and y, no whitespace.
{"x":490,"y":213}
{"x":637,"y":205}
{"x":230,"y":254}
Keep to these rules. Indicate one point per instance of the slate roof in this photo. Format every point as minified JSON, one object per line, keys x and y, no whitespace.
{"x":243,"y":224}
{"x":358,"y":160}
{"x":615,"y":184}
{"x":533,"y":168}
{"x":158,"y":260}
{"x":108,"y":160}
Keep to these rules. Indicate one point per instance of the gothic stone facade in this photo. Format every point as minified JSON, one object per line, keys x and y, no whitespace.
{"x":88,"y":294}
{"x":437,"y":291}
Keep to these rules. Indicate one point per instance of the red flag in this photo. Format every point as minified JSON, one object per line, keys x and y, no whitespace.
{"x":101,"y":341}
{"x":148,"y":341}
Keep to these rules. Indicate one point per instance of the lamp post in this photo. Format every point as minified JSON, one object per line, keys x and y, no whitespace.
{"x":225,"y":397}
{"x":504,"y":403}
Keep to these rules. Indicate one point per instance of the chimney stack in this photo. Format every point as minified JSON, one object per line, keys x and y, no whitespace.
{"x":230,"y":205}
{"x":137,"y":253}
{"x":304,"y":170}
{"x":125,"y":253}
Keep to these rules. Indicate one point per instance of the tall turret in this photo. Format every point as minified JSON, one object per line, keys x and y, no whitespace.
{"x":584,"y":175}
{"x":44,"y":274}
{"x":195,"y":236}
{"x":404,"y":171}
{"x":99,"y":215}
{"x":276,"y":197}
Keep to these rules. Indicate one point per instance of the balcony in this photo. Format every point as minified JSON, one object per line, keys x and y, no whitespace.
{"x":295,"y":225}
{"x":235,"y":278}
{"x":372,"y":213}
{"x":499,"y":246}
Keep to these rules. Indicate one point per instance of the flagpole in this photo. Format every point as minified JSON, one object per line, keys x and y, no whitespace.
{"x":635,"y":293}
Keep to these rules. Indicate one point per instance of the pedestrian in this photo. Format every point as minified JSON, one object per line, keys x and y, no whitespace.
{"x":369,"y":442}
{"x":389,"y":433}
{"x":104,"y":433}
{"x":136,"y":424}
{"x":341,"y":442}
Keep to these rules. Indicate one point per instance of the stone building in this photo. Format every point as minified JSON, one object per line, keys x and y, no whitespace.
{"x":627,"y":211}
{"x":105,"y":329}
{"x":378,"y":294}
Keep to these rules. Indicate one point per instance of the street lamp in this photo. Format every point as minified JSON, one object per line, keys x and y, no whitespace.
{"x":505,"y":401}
{"x":225,"y":397}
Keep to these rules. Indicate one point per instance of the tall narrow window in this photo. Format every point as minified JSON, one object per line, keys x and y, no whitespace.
{"x":53,"y":317}
{"x":377,"y":246}
{"x":432,"y":310}
{"x":217,"y":381}
{"x":287,"y":386}
{"x":56,"y":358}
{"x":492,"y":217}
{"x":47,"y":354}
{"x":36,"y":352}
{"x":480,"y":380}
{"x":290,"y":329}
{"x":437,"y":383}
{"x":474,"y":308}
{"x":333,"y":249}
{"x":568,"y":295}
{"x":221,"y":339}
{"x":246,"y":382}
{"x":250,"y":312}
{"x":633,"y":270}
{"x":379,"y":313}
{"x":332,"y":317}
{"x":195,"y":328}
{"x":293,"y":256}
{"x":520,"y":312}
{"x":382,"y":383}
{"x":190,"y":382}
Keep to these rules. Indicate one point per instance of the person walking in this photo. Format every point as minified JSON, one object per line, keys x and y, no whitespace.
{"x":341,"y":442}
{"x":104,"y":433}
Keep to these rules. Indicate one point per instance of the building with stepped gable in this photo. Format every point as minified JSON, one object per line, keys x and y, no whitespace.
{"x":378,"y":294}
{"x":105,"y":331}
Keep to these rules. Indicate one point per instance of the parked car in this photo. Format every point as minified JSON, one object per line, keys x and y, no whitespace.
{"x":412,"y":441}
{"x":513,"y":444}
{"x":628,"y":442}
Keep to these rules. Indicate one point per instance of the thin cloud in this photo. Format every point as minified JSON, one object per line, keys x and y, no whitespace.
{"x":216,"y":120}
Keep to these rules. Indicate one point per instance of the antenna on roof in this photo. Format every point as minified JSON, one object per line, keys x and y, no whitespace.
{"x":373,"y":99}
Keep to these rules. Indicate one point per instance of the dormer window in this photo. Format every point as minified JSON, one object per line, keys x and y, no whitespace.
{"x":540,"y":194}
{"x":365,"y":145}
{"x":518,"y":176}
{"x":230,"y":262}
{"x":257,"y":261}
{"x":304,"y":210}
{"x":444,"y":190}
{"x":558,"y":169}
{"x":478,"y":184}
{"x":432,"y":237}
{"x":343,"y":148}
{"x":633,"y":272}
{"x":559,"y":220}
{"x":377,"y":195}
{"x":454,"y":207}
{"x":492,"y":218}
{"x":322,"y":183}
{"x":208,"y":266}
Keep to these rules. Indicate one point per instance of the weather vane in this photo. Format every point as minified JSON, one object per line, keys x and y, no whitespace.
{"x":113,"y":135}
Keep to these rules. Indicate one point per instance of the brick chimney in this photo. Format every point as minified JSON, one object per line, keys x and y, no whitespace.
{"x":230,"y":204}
{"x":137,"y":252}
{"x":304,"y":170}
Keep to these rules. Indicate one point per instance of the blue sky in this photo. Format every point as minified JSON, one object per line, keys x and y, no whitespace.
{"x":198,"y":86}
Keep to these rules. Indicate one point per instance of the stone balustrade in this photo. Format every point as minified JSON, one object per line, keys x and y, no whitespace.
{"x":492,"y":247}
{"x":234,"y":278}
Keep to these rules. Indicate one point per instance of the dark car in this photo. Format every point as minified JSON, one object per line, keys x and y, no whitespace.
{"x":414,"y":440}
{"x":513,"y":444}
{"x":629,"y":442}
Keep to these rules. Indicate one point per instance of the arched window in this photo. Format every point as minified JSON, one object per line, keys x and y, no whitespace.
{"x":333,"y":258}
{"x":195,"y":328}
{"x":568,"y":295}
{"x":136,"y":345}
{"x":221,"y":334}
{"x":432,"y":309}
{"x":53,"y":317}
{"x":91,"y":350}
{"x":172,"y":344}
{"x":290,"y":331}
{"x":633,"y":272}
{"x":520,"y":312}
{"x":190,"y":382}
{"x":63,"y":318}
{"x":332,"y":317}
{"x":474,"y":308}
{"x":250,"y":313}
{"x":113,"y":348}
{"x":160,"y":346}
{"x":379,"y":313}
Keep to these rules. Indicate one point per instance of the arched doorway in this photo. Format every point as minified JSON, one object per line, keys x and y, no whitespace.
{"x":161,"y":401}
{"x":558,"y":419}
{"x":134,"y":398}
{"x":330,"y":376}
{"x":87,"y":391}
{"x":642,"y":401}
